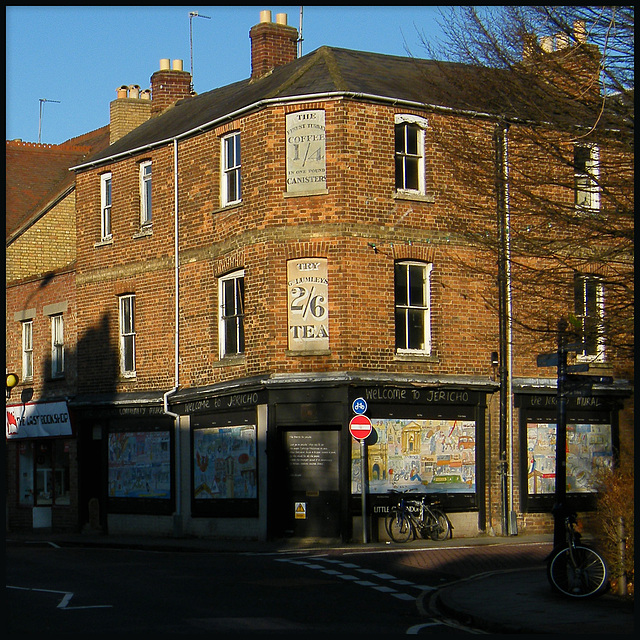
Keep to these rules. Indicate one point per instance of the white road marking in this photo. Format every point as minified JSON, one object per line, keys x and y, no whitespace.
{"x":66,"y":599}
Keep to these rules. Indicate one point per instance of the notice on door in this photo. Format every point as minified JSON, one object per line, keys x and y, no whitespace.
{"x":313,"y":460}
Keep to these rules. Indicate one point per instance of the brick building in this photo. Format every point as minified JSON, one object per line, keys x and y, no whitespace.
{"x":42,"y":472}
{"x":258,"y":263}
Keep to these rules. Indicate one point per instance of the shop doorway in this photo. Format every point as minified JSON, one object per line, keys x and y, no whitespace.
{"x":309,"y":499}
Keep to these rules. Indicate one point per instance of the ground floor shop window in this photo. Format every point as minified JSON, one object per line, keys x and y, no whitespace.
{"x":43,"y":469}
{"x":421,"y":456}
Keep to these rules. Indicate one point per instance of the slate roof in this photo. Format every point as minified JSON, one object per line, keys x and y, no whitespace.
{"x":38,"y":174}
{"x":326,"y":70}
{"x":369,"y":76}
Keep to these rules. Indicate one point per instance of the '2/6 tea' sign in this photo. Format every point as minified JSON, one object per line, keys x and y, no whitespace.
{"x":308,"y":314}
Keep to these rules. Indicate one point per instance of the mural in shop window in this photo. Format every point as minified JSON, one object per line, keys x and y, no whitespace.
{"x":224,"y":464}
{"x":589,"y":449}
{"x":421,"y":456}
{"x":140,"y":464}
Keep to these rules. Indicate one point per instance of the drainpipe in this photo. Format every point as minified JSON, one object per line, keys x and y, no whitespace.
{"x":176,"y":343}
{"x":505,"y":331}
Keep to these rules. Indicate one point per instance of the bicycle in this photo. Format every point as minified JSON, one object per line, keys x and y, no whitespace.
{"x":575,"y":569}
{"x":403,"y":524}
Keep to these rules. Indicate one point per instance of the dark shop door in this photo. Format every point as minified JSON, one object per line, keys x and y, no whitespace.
{"x":310,"y":505}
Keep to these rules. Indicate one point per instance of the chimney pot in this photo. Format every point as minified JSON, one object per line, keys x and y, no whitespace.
{"x":281,"y":18}
{"x":265,"y":16}
{"x":122,"y":92}
{"x":164,"y":64}
{"x":177,"y":65}
{"x":134,"y":91}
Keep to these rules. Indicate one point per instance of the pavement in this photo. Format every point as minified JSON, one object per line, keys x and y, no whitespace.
{"x":504,"y":601}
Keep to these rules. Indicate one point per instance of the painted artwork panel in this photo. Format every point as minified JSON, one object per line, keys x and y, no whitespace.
{"x":139,"y":464}
{"x":589,"y":448}
{"x":421,"y":456}
{"x":224,"y":464}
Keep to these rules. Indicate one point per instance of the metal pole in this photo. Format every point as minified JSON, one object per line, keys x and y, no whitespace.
{"x":192,"y":15}
{"x":559,"y":508}
{"x":42,"y":101}
{"x":363,"y":474}
{"x":503,"y":311}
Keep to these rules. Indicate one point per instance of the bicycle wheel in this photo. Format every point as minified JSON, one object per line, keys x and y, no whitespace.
{"x":587,"y":577}
{"x":399,"y":527}
{"x":439,"y":527}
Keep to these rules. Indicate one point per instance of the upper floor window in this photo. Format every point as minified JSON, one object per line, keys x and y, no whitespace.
{"x":105,"y":206}
{"x":412,"y":305}
{"x":145,"y":193}
{"x":231,"y":296}
{"x":586,"y":167}
{"x":27,"y":350}
{"x":589,"y":307}
{"x":57,"y":346}
{"x":230,"y":169}
{"x":410,"y":154}
{"x":126,"y":305}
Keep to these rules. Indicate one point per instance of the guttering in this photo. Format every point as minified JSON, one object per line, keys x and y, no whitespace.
{"x":328,"y":95}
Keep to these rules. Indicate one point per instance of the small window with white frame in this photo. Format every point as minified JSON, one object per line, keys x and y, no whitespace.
{"x":230,"y":167}
{"x":410,"y":162}
{"x":27,"y":350}
{"x":586,"y":165}
{"x":412,"y":284}
{"x":589,"y":308}
{"x":126,"y":304}
{"x":57,"y":346}
{"x":105,"y":206}
{"x":231,"y":316}
{"x":145,"y":193}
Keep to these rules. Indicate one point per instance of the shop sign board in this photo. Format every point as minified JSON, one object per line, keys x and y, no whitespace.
{"x":38,"y":420}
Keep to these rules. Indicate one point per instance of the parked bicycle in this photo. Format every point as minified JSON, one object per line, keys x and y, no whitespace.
{"x":575,"y":569}
{"x":425,"y":517}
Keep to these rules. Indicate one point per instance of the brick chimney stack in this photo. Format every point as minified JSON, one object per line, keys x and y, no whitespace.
{"x":272,"y":44}
{"x":169,"y":85}
{"x":129,"y":110}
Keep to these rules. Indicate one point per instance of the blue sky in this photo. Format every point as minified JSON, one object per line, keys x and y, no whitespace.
{"x":80,"y":55}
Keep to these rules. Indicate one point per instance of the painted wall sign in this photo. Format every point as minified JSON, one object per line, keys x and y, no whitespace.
{"x":307,"y":300}
{"x":306,"y":164}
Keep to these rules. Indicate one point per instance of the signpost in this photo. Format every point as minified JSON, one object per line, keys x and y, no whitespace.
{"x":360,"y":428}
{"x":570,"y":385}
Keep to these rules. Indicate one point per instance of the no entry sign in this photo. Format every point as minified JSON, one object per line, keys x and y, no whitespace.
{"x":360,"y":427}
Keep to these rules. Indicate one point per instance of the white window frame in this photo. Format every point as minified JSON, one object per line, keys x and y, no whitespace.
{"x":231,"y":319}
{"x":404,"y":156}
{"x":126,"y":313}
{"x":230,"y":169}
{"x":57,"y":346}
{"x":587,"y":179}
{"x":590,"y":309}
{"x":146,"y":204}
{"x":27,"y":349}
{"x":406,"y":307}
{"x":105,"y":206}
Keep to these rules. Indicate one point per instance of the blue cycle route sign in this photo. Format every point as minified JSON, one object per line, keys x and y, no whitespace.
{"x":359,"y":406}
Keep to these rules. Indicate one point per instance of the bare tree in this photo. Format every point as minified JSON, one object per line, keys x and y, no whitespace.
{"x":551,"y":90}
